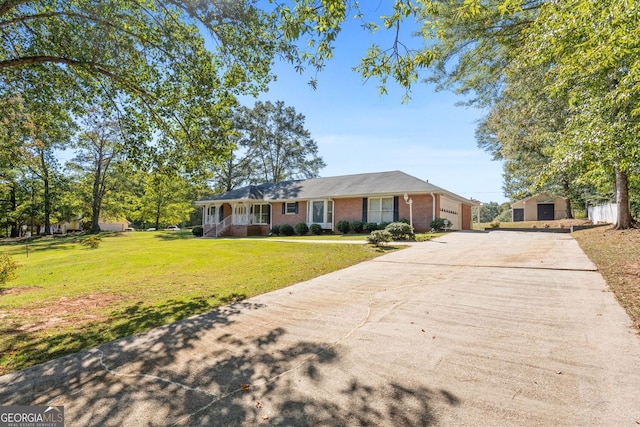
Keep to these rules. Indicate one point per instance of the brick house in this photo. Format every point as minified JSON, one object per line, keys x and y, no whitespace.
{"x":369,"y":197}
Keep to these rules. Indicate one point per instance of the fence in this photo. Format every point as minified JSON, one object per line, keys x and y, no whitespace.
{"x":604,"y":213}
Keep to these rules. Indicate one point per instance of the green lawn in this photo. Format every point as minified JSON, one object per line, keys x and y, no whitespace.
{"x":67,"y":297}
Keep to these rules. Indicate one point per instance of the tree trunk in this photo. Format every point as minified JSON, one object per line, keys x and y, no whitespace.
{"x":158,"y":216}
{"x":15,"y":229}
{"x":97,"y":200}
{"x":47,"y":196}
{"x":622,"y":200}
{"x":569,"y":211}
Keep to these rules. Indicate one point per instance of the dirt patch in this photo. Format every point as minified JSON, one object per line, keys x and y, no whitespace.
{"x":13,"y":291}
{"x":65,"y":311}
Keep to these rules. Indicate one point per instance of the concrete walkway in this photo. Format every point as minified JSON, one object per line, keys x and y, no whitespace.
{"x":471,"y":329}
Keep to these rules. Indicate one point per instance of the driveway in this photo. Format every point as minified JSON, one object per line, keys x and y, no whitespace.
{"x":472,"y":329}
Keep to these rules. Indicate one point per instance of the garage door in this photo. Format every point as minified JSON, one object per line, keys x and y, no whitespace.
{"x":452,"y":211}
{"x":545,"y":211}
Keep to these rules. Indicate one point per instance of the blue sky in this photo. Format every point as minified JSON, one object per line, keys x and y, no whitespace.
{"x":358,"y":131}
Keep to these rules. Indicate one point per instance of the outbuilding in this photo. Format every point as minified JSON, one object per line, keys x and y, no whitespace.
{"x":541,"y":207}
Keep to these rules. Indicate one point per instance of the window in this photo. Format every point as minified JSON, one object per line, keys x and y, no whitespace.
{"x":317,"y":215}
{"x":291,"y":208}
{"x":380,"y":209}
{"x":261,"y":214}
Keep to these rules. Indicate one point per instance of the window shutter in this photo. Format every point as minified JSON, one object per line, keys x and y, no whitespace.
{"x":221,"y":216}
{"x":284,"y":207}
{"x":365,"y":204}
{"x":268,"y":214}
{"x":396,"y":216}
{"x":296,"y":207}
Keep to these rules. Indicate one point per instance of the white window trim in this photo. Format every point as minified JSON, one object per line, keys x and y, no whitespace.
{"x":286,"y":208}
{"x":380,"y":211}
{"x":324,"y":223}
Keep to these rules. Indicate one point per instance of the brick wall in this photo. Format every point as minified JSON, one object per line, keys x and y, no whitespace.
{"x":347,"y":210}
{"x":278,"y":218}
{"x":466,"y":217}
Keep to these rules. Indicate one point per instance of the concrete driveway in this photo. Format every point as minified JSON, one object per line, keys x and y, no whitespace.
{"x":472,"y":329}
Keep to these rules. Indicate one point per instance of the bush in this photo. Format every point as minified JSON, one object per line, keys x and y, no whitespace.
{"x":275,"y":230}
{"x":287,"y":230}
{"x":316,"y":229}
{"x":437,"y":224}
{"x":8,"y":268}
{"x":302,"y":228}
{"x":379,"y":237}
{"x":197,"y":231}
{"x":370,"y":226}
{"x":343,"y":226}
{"x":383,"y":225}
{"x":400,"y":231}
{"x":495,"y":224}
{"x":91,"y":242}
{"x":356,"y":226}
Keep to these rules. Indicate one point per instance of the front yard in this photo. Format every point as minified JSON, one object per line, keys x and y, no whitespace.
{"x":67,"y":297}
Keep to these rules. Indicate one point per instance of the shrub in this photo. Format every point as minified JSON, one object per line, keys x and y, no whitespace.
{"x":379,"y":237}
{"x":316,"y":229}
{"x":91,"y":242}
{"x":302,"y":228}
{"x":197,"y":231}
{"x":495,"y":224}
{"x":275,"y":230}
{"x":400,"y":231}
{"x":383,"y":225}
{"x":405,"y":220}
{"x":8,"y":268}
{"x":370,"y":226}
{"x":437,"y":224}
{"x":356,"y":226}
{"x":287,"y":230}
{"x":343,"y":226}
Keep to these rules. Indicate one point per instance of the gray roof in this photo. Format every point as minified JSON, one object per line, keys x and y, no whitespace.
{"x":365,"y":184}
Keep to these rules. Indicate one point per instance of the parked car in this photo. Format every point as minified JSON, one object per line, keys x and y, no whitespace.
{"x":151,"y":229}
{"x":173,"y":228}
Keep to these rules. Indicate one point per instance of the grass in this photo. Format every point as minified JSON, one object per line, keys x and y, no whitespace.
{"x":616,"y":253}
{"x":68,"y":297}
{"x":559,"y":223}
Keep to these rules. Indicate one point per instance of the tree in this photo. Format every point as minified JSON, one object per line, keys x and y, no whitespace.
{"x":277,"y":143}
{"x":167,"y":198}
{"x":151,"y":59}
{"x":99,"y":147}
{"x":590,"y":50}
{"x":489,"y":211}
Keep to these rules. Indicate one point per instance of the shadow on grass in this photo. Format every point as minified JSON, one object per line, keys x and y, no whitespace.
{"x":21,"y":347}
{"x":41,"y":243}
{"x":213,"y":370}
{"x":174,"y":235}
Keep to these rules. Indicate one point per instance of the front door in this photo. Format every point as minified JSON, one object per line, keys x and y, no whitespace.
{"x":546,"y":212}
